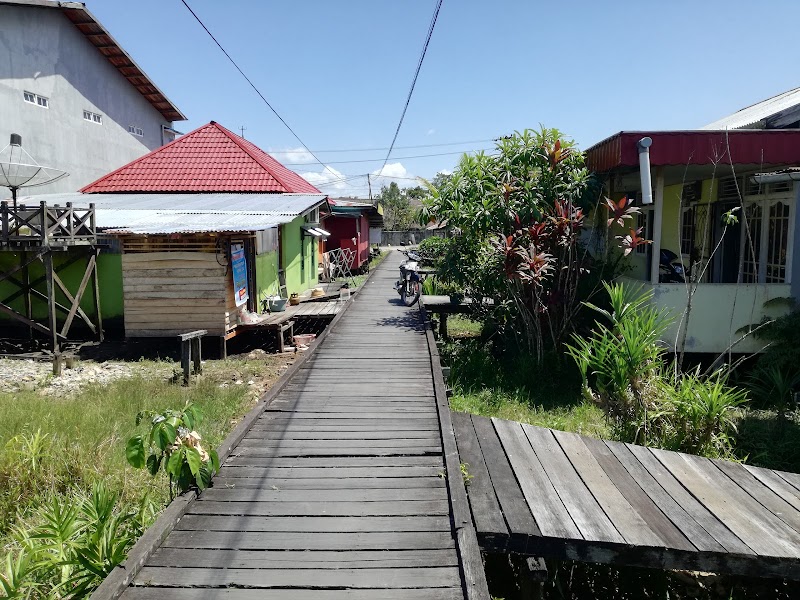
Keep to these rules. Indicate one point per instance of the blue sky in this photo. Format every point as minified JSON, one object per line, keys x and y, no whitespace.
{"x":339,"y":72}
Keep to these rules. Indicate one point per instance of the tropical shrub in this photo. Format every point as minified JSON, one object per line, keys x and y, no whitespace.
{"x":517,"y":217}
{"x":622,"y":366}
{"x":776,"y":377}
{"x":68,"y":545}
{"x":621,"y":358}
{"x":172,"y":443}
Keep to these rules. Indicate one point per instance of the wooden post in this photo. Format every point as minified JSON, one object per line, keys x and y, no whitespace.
{"x":443,"y":325}
{"x":186,"y":355}
{"x":96,"y":290}
{"x":197,"y":367}
{"x":47,"y":259}
{"x":26,"y":280}
{"x":223,"y":347}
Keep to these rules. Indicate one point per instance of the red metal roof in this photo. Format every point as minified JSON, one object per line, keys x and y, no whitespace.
{"x":209,"y":159}
{"x":754,"y":147}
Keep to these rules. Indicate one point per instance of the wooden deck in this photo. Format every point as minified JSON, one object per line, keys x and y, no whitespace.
{"x":554,"y":494}
{"x":339,"y":488}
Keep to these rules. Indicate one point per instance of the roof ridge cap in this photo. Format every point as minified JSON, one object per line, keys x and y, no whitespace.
{"x":141,"y":158}
{"x":232,"y":136}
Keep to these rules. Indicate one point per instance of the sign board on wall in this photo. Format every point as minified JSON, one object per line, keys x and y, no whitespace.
{"x":239,"y":272}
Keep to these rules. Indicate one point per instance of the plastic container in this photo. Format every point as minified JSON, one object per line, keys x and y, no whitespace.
{"x":304,"y":339}
{"x":276,"y":304}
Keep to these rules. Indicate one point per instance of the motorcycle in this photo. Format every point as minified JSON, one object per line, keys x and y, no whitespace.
{"x":670,"y":269}
{"x":409,"y":286}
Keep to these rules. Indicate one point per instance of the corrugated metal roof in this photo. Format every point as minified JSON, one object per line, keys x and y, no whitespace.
{"x":151,"y":222}
{"x":208,"y":159}
{"x":766,"y":147}
{"x":282,"y":204}
{"x":187,"y":213}
{"x":754,"y":115}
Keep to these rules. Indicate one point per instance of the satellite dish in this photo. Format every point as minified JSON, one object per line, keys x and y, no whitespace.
{"x":19,"y":169}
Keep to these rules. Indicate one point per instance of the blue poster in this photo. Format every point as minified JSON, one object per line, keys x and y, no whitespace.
{"x":239,"y":271}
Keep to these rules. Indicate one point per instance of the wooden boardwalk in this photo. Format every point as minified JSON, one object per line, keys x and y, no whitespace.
{"x":339,"y":488}
{"x":561,"y":495}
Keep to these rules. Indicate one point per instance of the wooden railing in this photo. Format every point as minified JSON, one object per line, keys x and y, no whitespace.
{"x":47,"y":225}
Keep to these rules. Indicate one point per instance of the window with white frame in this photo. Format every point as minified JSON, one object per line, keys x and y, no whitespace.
{"x":93,"y":117}
{"x":32,"y":98}
{"x":135,"y":130}
{"x":687,"y":230}
{"x":767,"y":237}
{"x":644,"y":221}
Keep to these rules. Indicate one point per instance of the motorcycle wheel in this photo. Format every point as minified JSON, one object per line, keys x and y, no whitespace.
{"x":411,"y":295}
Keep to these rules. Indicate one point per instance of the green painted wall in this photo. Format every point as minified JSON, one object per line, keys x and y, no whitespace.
{"x":299,"y":257}
{"x":266,"y":275}
{"x":109,"y":274}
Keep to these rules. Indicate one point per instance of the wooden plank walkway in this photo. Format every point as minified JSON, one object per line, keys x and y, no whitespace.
{"x":339,"y":489}
{"x":561,"y":495}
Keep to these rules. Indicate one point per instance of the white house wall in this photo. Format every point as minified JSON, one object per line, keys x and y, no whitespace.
{"x":719,"y":311}
{"x":42,"y":52}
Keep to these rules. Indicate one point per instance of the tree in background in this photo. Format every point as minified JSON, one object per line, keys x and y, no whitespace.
{"x":398,"y":212}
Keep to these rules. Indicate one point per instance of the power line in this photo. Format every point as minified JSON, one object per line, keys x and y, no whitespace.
{"x":257,"y":91}
{"x":366,"y":160}
{"x":414,"y":81}
{"x":396,"y":147}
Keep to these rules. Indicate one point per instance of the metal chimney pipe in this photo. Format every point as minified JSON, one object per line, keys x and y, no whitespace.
{"x":16,"y":139}
{"x":644,"y":169}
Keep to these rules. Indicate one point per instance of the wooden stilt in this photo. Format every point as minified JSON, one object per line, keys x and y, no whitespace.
{"x":47,"y":259}
{"x":96,"y":293}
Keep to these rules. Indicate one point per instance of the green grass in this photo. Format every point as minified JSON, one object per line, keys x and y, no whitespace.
{"x":460,"y":326}
{"x":582,"y":417}
{"x":81,"y":438}
{"x":513,"y":387}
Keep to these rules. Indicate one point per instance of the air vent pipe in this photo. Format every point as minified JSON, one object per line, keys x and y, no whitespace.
{"x":644,"y":169}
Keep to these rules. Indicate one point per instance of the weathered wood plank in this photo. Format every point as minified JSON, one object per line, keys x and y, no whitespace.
{"x":157,"y":593}
{"x":621,"y":514}
{"x":579,"y":501}
{"x":354,"y":495}
{"x":309,"y":509}
{"x":548,"y":510}
{"x":343,"y":461}
{"x":644,"y":506}
{"x":731,"y":505}
{"x":301,"y":559}
{"x":486,"y":511}
{"x":329,"y":483}
{"x":324,"y":473}
{"x":249,"y":540}
{"x":702,"y":528}
{"x":777,"y":484}
{"x":515,"y":510}
{"x":313,"y":524}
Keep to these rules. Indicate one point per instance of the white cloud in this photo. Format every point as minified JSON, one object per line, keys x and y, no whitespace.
{"x":330,"y":178}
{"x":393,"y":172}
{"x":293,"y":156}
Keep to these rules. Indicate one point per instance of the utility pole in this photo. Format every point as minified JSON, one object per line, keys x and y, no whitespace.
{"x":243,"y":128}
{"x":369,"y":185}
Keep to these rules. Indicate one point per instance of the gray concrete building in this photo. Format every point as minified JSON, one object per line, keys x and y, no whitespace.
{"x":79,"y":101}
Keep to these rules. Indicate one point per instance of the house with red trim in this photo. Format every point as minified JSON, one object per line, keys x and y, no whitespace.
{"x":349,"y":223}
{"x":199,"y":229}
{"x":719,"y":204}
